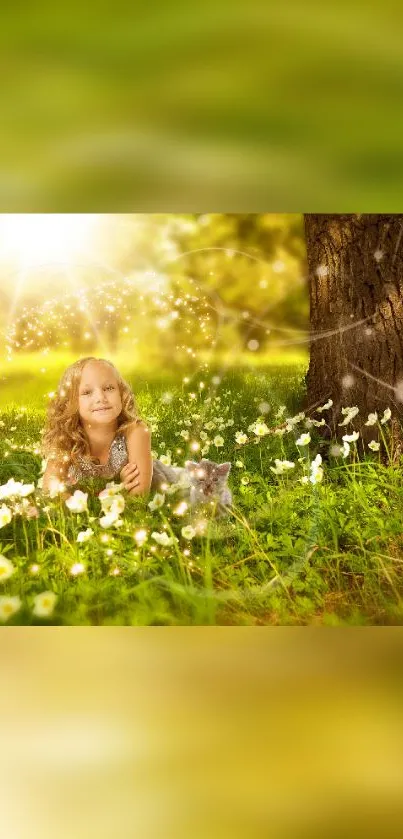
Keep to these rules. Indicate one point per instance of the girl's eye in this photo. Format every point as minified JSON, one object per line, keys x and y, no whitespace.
{"x":86,"y":393}
{"x":110,"y":387}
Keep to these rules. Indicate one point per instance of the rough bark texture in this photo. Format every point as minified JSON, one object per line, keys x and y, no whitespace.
{"x":355,"y":265}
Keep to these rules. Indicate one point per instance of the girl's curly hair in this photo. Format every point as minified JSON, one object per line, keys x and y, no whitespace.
{"x":63,"y":436}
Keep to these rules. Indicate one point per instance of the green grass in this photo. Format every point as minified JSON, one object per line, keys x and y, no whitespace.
{"x":289,"y":553}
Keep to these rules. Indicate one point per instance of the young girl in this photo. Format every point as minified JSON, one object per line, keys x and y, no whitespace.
{"x":93,"y":429}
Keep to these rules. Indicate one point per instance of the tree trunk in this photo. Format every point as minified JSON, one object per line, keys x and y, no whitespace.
{"x":355,"y":265}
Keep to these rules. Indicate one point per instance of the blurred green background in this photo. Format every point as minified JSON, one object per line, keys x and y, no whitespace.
{"x":225,"y":106}
{"x":163,"y":295}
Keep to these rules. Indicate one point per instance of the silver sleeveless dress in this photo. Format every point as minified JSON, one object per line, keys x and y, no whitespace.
{"x":117,"y":459}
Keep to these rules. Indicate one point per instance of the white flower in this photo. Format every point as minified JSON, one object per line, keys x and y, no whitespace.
{"x":240,"y":438}
{"x":218,"y":441}
{"x":188,"y":532}
{"x":77,"y":568}
{"x":56,"y":487}
{"x":349,"y":414}
{"x":374,"y":446}
{"x":318,"y":423}
{"x":44,"y":604}
{"x":304,"y":440}
{"x":165,"y":459}
{"x":345,"y":450}
{"x":16,"y":489}
{"x":163,"y":539}
{"x":316,"y":470}
{"x":240,"y":464}
{"x":293,"y":421}
{"x":282,"y":466}
{"x":209,"y":425}
{"x":8,"y":607}
{"x":111,"y":519}
{"x":372,"y":419}
{"x":351,"y":438}
{"x":77,"y":503}
{"x":184,"y":434}
{"x":316,"y":475}
{"x":156,"y":502}
{"x":5,"y":515}
{"x":110,"y":490}
{"x":386,"y":416}
{"x":326,"y":406}
{"x":260,"y":429}
{"x":304,"y":479}
{"x":7,"y":568}
{"x":245,"y":480}
{"x":113,"y":504}
{"x":84,"y":535}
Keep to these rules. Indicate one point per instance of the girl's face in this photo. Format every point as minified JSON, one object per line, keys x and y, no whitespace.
{"x":99,"y":401}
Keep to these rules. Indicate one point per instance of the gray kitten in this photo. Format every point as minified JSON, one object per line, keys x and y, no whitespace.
{"x":200,"y":483}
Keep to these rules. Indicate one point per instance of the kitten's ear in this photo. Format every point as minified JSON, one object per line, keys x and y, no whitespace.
{"x":224,"y":468}
{"x":191,"y":464}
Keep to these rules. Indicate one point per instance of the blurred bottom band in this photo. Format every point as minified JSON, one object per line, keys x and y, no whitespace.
{"x":200,"y":732}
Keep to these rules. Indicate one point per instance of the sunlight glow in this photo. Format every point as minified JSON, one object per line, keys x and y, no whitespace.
{"x":36,"y":239}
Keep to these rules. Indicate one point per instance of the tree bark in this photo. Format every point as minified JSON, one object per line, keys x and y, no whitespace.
{"x":355,"y":265}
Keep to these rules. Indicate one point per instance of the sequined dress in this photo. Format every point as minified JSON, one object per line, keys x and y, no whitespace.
{"x":117,"y":459}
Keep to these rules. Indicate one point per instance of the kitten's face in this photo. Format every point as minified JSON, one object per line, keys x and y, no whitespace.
{"x":208,"y":477}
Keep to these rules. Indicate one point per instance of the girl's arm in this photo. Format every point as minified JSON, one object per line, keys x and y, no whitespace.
{"x":53,"y":475}
{"x":138,"y":441}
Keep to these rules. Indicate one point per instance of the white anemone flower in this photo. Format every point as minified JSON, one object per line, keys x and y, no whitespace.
{"x":326,"y":406}
{"x":113,"y":504}
{"x":304,"y":440}
{"x":16,"y":489}
{"x":386,"y":416}
{"x":351,"y":438}
{"x":163,"y":539}
{"x":188,"y":532}
{"x":77,"y":503}
{"x":282,"y":466}
{"x":84,"y":535}
{"x":5,"y":515}
{"x":345,"y":450}
{"x":8,"y":607}
{"x":44,"y":604}
{"x":260,"y":429}
{"x":372,"y":419}
{"x":374,"y":446}
{"x":156,"y":502}
{"x":111,"y":520}
{"x":7,"y":569}
{"x":240,"y":438}
{"x":349,"y":414}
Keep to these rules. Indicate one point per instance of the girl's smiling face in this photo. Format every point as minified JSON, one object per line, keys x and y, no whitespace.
{"x":99,"y":401}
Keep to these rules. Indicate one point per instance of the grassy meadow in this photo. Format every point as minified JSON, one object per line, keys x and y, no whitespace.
{"x":306,"y":542}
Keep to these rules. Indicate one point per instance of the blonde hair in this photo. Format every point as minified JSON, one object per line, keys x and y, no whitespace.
{"x":64,"y":434}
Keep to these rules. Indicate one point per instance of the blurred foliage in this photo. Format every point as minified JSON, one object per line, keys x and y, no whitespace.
{"x":166,"y":288}
{"x":269,"y":106}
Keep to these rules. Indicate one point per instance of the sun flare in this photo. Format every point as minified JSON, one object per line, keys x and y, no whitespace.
{"x":33,"y":239}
